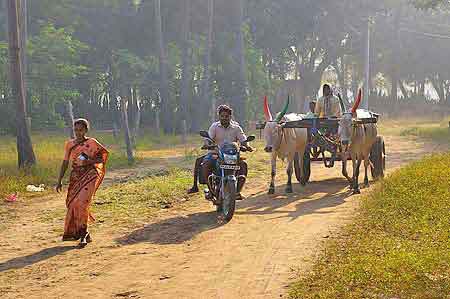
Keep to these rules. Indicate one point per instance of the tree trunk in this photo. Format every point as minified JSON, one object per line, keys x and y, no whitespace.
{"x":163,"y":72}
{"x":341,"y":75}
{"x":185,"y":94}
{"x":394,"y":88}
{"x":23,"y":27}
{"x":69,"y":119}
{"x":422,"y":88}
{"x":354,"y":80}
{"x":403,"y":89}
{"x":395,"y":53}
{"x":241,"y":84}
{"x":3,"y":17}
{"x":137,"y":120}
{"x":25,"y":151}
{"x":439,"y":87}
{"x":209,"y":47}
{"x":126,"y":129}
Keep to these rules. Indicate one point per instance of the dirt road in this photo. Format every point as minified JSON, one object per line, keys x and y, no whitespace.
{"x":182,"y":252}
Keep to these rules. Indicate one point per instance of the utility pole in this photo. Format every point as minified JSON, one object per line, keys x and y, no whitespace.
{"x":25,"y":151}
{"x":365,"y":103}
{"x":3,"y":18}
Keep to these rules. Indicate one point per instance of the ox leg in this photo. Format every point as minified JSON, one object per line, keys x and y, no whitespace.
{"x":273,"y":175}
{"x":344,"y":169}
{"x":366,"y":177}
{"x":356,"y":177}
{"x":289,"y":174}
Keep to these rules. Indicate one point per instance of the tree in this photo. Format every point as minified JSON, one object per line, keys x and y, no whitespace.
{"x":167,"y":118}
{"x":241,"y":82}
{"x":206,"y":90}
{"x":26,"y":157}
{"x":186,"y":85}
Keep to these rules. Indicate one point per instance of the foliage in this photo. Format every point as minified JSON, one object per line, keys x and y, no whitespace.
{"x":92,"y":51}
{"x":54,"y":67}
{"x":398,"y":246}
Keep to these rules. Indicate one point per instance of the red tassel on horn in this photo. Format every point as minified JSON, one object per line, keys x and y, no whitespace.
{"x":357,"y":102}
{"x":267,"y":110}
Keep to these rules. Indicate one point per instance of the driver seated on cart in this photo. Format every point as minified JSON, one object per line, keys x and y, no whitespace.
{"x":328,"y":106}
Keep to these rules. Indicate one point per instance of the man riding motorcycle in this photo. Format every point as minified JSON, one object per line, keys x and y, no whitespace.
{"x":225,"y":130}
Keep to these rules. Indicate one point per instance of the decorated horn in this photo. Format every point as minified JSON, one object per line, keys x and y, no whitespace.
{"x":341,"y":103}
{"x":267,"y":113}
{"x":283,"y":112}
{"x":357,"y":102}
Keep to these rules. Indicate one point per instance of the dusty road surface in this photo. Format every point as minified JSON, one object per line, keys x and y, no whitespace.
{"x":182,"y":252}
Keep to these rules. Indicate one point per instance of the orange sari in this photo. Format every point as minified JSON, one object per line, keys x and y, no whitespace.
{"x":84,"y":182}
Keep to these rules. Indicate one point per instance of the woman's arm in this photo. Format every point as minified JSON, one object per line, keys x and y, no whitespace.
{"x":64,"y":166}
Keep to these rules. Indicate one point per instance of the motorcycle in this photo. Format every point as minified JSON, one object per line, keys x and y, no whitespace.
{"x":224,"y":179}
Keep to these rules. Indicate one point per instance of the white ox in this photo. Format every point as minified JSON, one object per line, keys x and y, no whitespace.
{"x":357,"y":140}
{"x":283,"y":143}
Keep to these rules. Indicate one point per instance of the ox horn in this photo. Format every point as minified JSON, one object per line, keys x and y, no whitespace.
{"x":357,"y":102}
{"x":341,"y":103}
{"x":267,"y":113}
{"x":283,"y":112}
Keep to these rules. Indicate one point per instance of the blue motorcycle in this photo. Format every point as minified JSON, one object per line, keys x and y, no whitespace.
{"x":224,"y":179}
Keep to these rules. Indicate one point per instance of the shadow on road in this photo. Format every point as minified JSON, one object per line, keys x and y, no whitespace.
{"x":173,"y":230}
{"x":24,"y":261}
{"x":332,"y":193}
{"x":183,"y":228}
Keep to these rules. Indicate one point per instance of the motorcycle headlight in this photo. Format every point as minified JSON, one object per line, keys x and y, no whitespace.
{"x":230,"y":159}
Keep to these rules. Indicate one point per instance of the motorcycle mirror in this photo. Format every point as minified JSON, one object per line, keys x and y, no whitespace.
{"x":251,"y":138}
{"x":204,"y":134}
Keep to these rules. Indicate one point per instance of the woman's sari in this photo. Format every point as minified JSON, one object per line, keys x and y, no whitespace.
{"x":84,"y":182}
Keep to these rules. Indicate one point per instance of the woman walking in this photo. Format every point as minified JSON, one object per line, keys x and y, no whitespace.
{"x":88,"y":158}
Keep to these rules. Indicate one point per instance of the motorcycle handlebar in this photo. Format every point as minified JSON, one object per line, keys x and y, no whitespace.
{"x":213,"y":147}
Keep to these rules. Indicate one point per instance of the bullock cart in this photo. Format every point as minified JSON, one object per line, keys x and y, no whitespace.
{"x":325,"y":146}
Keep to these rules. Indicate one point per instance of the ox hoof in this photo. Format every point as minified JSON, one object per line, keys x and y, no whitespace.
{"x":303,"y":182}
{"x":289,"y":189}
{"x":356,"y":191}
{"x":271,"y":191}
{"x":366,"y":185}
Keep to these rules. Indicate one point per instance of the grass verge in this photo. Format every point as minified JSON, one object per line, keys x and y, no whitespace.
{"x":49,"y":153}
{"x":439,"y":134}
{"x":398,"y":246}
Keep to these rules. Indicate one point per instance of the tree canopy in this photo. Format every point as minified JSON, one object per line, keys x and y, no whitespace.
{"x":93,"y":52}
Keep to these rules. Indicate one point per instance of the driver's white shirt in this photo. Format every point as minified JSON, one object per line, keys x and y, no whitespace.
{"x":220,"y":134}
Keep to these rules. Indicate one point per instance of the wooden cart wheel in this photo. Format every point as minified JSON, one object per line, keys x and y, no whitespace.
{"x":378,"y":158}
{"x":306,"y":168}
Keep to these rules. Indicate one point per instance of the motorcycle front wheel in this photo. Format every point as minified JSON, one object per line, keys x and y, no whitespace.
{"x":228,"y":205}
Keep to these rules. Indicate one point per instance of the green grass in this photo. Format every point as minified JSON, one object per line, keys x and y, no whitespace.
{"x":49,"y":150}
{"x":439,"y":134}
{"x":398,"y":126}
{"x":136,"y":200}
{"x":399,"y":245}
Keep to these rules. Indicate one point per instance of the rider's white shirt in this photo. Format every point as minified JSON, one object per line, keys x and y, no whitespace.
{"x":220,"y":134}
